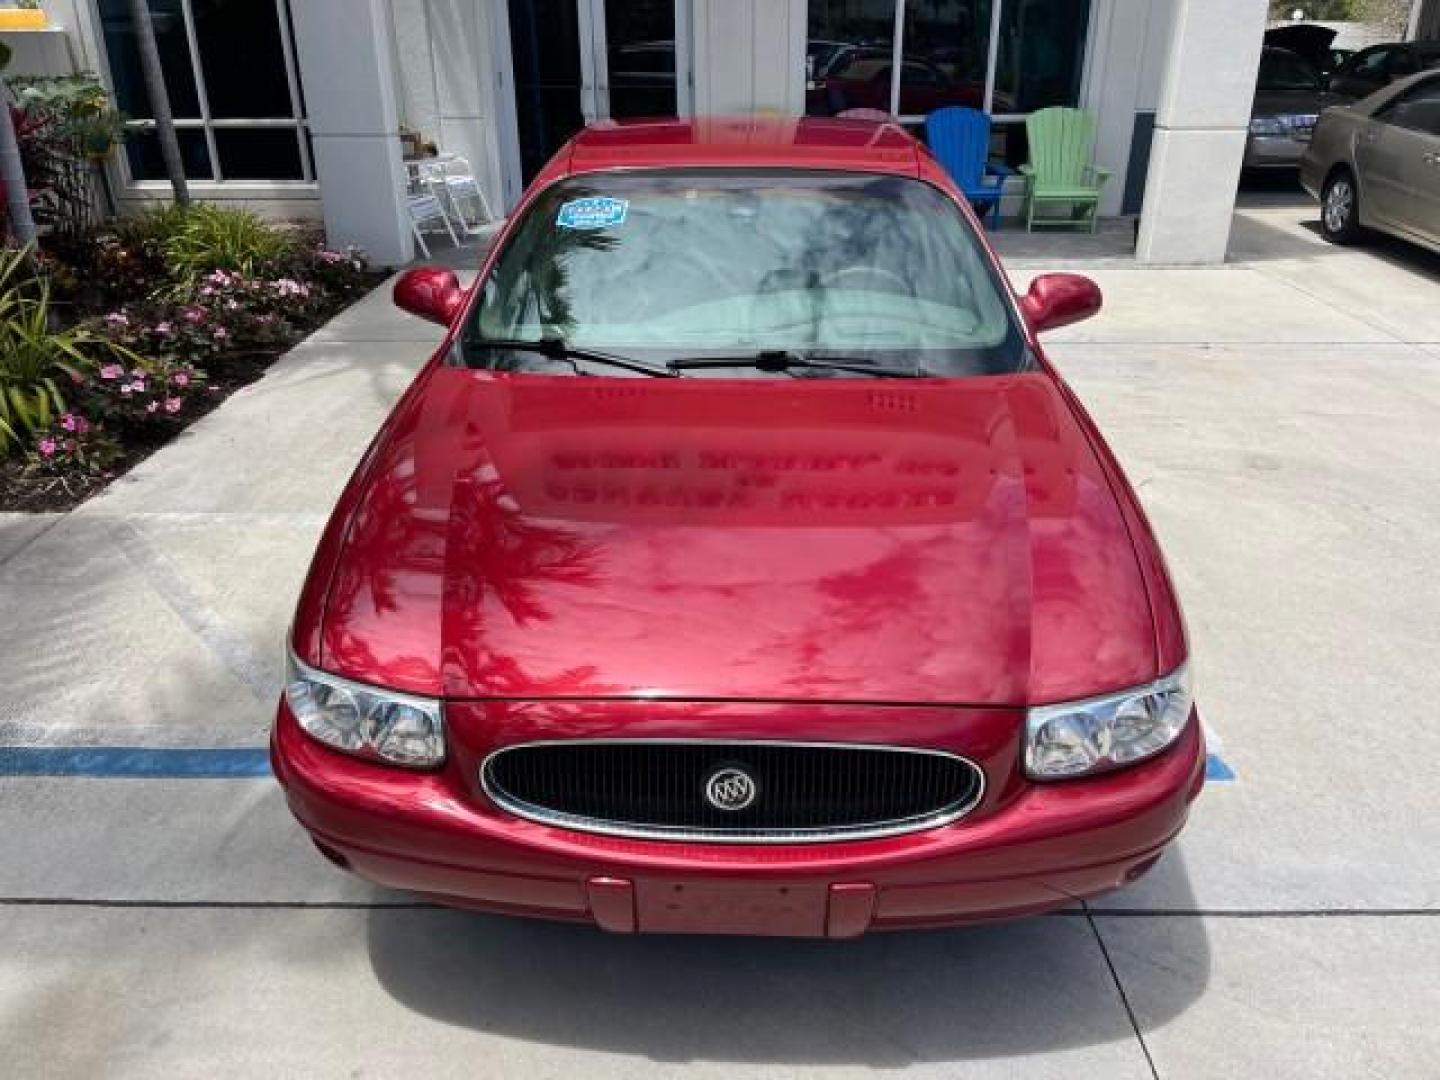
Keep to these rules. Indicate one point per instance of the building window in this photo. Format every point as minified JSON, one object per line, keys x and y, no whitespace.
{"x":911,"y":57}
{"x":230,"y":73}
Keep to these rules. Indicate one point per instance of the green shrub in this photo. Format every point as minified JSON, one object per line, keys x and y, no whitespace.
{"x":210,"y":238}
{"x":157,"y":225}
{"x":64,"y":126}
{"x":36,"y":360}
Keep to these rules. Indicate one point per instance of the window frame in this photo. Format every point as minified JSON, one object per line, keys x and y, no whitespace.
{"x":1361,"y":60}
{"x":209,"y":124}
{"x":1386,"y":113}
{"x":992,"y":58}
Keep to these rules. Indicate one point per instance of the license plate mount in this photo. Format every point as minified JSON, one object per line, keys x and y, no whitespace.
{"x":689,"y":907}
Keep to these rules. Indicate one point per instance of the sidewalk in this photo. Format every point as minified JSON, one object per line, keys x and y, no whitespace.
{"x":1281,"y":418}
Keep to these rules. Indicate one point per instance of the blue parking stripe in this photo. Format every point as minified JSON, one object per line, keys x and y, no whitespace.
{"x":1216,"y":771}
{"x":123,"y":762}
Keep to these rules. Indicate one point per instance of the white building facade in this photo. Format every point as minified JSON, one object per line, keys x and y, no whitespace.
{"x":297,"y":106}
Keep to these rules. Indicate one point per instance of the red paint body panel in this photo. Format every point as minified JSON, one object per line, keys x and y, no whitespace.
{"x":864,"y":561}
{"x":1028,"y":848}
{"x":946,"y":541}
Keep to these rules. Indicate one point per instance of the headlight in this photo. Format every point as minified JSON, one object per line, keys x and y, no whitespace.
{"x":365,"y":721}
{"x":1084,"y":737}
{"x":1267,"y":125}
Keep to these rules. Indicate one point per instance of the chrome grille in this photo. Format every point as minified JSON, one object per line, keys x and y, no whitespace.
{"x":802,"y":792}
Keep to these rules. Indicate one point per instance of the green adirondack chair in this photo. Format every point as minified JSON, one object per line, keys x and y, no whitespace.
{"x":1060,"y":172}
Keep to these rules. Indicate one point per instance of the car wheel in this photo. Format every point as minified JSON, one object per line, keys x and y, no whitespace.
{"x":1340,"y":208}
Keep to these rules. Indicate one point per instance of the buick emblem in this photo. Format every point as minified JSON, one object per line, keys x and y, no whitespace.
{"x":730,"y":788}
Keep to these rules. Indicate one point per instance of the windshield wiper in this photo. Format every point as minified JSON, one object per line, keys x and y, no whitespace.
{"x":557,"y":349}
{"x":782,"y":360}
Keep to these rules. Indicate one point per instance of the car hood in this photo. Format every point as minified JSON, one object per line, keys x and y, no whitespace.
{"x":532,"y":536}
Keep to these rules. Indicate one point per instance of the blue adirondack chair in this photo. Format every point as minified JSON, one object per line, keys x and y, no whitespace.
{"x":960,"y":139}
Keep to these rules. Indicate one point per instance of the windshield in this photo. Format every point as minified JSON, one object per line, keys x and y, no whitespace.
{"x":676,"y":265}
{"x":1281,"y":69}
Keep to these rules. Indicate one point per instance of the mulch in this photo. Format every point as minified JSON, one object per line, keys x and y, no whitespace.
{"x":26,"y":493}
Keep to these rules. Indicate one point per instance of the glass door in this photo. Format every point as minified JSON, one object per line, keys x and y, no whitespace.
{"x":575,"y":62}
{"x":639,"y":58}
{"x":548,"y":78}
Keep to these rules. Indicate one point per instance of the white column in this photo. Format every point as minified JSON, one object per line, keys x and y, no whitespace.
{"x":1112,"y":88}
{"x":1200,"y":130}
{"x":346,"y":60}
{"x":749,"y":56}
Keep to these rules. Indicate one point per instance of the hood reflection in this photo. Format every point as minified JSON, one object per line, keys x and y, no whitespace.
{"x":575,"y":537}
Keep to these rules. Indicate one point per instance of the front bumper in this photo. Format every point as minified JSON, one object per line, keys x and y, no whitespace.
{"x":1028,"y":848}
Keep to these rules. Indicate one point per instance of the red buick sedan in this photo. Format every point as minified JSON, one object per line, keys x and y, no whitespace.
{"x":739,"y":564}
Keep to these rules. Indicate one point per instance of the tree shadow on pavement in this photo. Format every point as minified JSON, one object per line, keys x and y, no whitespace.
{"x":886,"y":1000}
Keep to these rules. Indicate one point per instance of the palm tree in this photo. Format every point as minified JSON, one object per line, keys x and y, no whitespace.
{"x":12,"y":171}
{"x":159,"y":98}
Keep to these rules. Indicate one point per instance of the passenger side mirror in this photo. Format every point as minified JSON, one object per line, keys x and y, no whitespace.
{"x":1057,"y":300}
{"x":430,"y":292}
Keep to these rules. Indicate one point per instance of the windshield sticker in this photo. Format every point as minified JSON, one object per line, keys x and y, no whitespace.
{"x":595,"y":212}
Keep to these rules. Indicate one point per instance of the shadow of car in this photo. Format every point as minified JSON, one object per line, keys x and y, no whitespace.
{"x":888,"y":1001}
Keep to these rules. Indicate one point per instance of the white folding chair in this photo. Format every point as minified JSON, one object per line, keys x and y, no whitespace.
{"x":452,"y":180}
{"x":426,"y":210}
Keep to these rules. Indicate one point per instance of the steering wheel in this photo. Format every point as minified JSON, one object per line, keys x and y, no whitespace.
{"x":834,"y":278}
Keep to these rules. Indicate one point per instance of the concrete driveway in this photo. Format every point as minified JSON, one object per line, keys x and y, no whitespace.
{"x":1281,"y":418}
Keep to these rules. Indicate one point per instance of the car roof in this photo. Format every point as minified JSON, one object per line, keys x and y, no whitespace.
{"x":741,"y":142}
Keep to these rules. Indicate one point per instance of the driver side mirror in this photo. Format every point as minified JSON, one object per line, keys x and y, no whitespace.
{"x":430,"y":292}
{"x":1057,"y":300}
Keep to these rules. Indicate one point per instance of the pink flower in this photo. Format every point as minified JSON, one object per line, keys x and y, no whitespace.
{"x":46,"y":448}
{"x":153,"y":407}
{"x":82,"y":426}
{"x":139,"y":372}
{"x":172,"y":405}
{"x":194,"y":314}
{"x":289,"y":287}
{"x":110,"y":372}
{"x":221,"y":333}
{"x":164,"y":329}
{"x":117,"y":320}
{"x":70,"y":422}
{"x":181,"y":378}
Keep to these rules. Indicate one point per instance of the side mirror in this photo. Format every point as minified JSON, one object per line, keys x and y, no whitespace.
{"x":1057,"y":300}
{"x":431,"y":293}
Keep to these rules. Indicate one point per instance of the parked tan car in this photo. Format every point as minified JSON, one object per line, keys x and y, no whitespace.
{"x":1375,"y":164}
